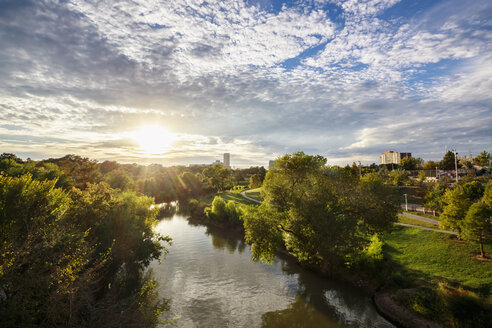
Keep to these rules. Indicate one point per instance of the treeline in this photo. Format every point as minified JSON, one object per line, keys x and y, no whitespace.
{"x":76,"y":258}
{"x":163,"y":183}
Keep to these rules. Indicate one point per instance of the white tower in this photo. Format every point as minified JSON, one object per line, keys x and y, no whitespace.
{"x":227,"y":160}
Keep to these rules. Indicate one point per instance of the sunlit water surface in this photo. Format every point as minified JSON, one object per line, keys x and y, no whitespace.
{"x":212,"y":282}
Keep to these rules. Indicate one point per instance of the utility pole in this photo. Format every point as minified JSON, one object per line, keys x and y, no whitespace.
{"x":456,"y":164}
{"x":360,"y":170}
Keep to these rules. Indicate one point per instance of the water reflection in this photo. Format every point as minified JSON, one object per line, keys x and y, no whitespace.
{"x":212,"y":282}
{"x":226,"y":240}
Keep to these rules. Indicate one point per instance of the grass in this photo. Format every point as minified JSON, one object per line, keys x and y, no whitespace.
{"x":425,"y":254}
{"x":227,"y":196}
{"x":255,"y":194}
{"x":404,"y":219}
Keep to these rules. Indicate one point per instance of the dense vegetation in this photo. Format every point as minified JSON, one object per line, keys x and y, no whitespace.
{"x":76,"y":258}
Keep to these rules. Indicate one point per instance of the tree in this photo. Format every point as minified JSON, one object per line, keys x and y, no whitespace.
{"x":431,"y":165}
{"x":448,"y":162}
{"x":483,"y":159}
{"x":321,"y":215}
{"x":408,"y":163}
{"x":255,"y":181}
{"x":68,"y":259}
{"x":457,"y":202}
{"x":433,"y":198}
{"x":477,"y":225}
{"x":218,"y":176}
{"x":398,"y":177}
{"x":422,"y":176}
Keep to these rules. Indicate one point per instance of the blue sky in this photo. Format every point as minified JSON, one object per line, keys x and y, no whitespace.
{"x":344,"y":79}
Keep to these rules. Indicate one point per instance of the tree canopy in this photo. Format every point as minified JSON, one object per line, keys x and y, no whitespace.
{"x":317,"y":213}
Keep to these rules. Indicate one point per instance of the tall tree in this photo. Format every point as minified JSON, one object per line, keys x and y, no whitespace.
{"x":457,"y":202}
{"x":447,"y":163}
{"x":483,"y":159}
{"x":255,"y":181}
{"x":218,"y":176}
{"x":319,"y":214}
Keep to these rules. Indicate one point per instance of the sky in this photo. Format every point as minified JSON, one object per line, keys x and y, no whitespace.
{"x":183,"y":81}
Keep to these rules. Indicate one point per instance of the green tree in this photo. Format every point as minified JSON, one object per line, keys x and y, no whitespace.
{"x":448,"y":163}
{"x":431,"y":165}
{"x":457,"y":202}
{"x":422,"y":176}
{"x":477,"y":225}
{"x":78,"y":258}
{"x":119,"y":179}
{"x":433,"y":198}
{"x":408,"y":163}
{"x":483,"y":159}
{"x":218,"y":177}
{"x":255,"y":181}
{"x":319,"y":214}
{"x":398,"y":177}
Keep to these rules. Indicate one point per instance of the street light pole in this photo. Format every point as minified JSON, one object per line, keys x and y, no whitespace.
{"x":456,"y":164}
{"x":406,"y":203}
{"x":360,"y":170}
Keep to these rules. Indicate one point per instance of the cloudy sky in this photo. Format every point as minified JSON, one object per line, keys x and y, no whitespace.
{"x":182,"y":81}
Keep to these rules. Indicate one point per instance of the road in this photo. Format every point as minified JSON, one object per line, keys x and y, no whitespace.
{"x":249,"y":198}
{"x":425,"y":228}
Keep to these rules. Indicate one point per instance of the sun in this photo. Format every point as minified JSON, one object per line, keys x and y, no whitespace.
{"x":153,"y":139}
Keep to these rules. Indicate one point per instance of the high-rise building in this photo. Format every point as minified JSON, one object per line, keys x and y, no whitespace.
{"x":227,"y":159}
{"x":392,"y":157}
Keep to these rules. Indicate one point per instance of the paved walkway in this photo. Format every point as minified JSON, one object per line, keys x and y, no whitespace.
{"x":420,"y":218}
{"x":425,"y":228}
{"x":249,"y":198}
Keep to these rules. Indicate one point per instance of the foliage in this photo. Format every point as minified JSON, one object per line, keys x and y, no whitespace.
{"x":457,"y":201}
{"x":483,"y":159}
{"x":73,"y":259}
{"x":219,"y":177}
{"x":431,"y":165}
{"x":477,"y":225}
{"x":433,"y":198}
{"x":398,"y":177}
{"x":408,"y":163}
{"x":222,"y":211}
{"x":448,"y":161}
{"x":422,"y":176}
{"x":255,"y":181}
{"x":318,"y":213}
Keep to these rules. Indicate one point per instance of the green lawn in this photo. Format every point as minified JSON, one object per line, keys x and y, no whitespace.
{"x":404,"y":219}
{"x":226,"y":195}
{"x":255,"y":194}
{"x":429,"y":254}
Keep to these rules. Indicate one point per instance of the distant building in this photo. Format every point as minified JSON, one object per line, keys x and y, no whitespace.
{"x":271,"y":163}
{"x":227,"y":159}
{"x":392,"y":157}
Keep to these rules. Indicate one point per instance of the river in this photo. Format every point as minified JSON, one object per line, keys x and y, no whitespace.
{"x":212,"y":282}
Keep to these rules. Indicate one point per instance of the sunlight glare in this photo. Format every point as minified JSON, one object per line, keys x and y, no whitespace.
{"x":153,"y":139}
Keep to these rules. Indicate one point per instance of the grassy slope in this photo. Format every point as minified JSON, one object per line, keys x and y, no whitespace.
{"x":226,"y":195}
{"x":404,"y":219}
{"x":429,"y":254}
{"x":255,"y":194}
